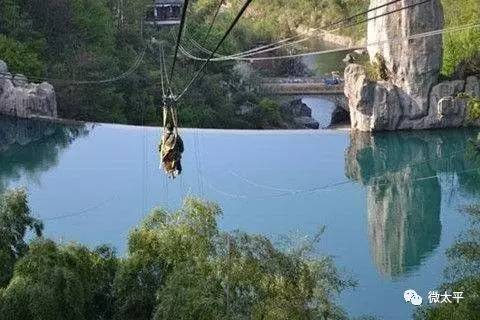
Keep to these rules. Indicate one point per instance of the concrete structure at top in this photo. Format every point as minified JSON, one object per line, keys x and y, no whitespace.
{"x":165,"y":13}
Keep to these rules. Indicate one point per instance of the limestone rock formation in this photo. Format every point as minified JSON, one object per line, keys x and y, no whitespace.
{"x":409,"y":95}
{"x":22,"y":99}
{"x":414,"y":64}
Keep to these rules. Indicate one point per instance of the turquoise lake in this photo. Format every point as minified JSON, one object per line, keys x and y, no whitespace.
{"x":390,"y":202}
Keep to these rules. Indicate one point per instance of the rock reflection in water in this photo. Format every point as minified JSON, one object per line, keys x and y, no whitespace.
{"x":401,"y":173}
{"x":32,"y":146}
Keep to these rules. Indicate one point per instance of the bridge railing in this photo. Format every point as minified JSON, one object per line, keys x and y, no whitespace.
{"x":311,"y":88}
{"x":315,"y":79}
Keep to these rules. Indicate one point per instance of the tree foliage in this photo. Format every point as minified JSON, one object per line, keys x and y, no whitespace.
{"x":192,"y":270}
{"x":61,"y":282}
{"x":179,"y":265}
{"x":15,"y":222}
{"x":462,"y":275}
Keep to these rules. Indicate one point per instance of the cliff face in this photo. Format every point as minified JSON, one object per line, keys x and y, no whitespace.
{"x":414,"y":64}
{"x":22,"y":99}
{"x":408,"y":96}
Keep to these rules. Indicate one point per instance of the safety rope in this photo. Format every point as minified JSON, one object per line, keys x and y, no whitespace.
{"x":376,"y":179}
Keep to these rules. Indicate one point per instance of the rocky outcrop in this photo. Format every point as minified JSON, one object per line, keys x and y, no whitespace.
{"x":22,"y":99}
{"x":413,"y":64}
{"x":292,"y":114}
{"x":404,"y":92}
{"x":296,"y":108}
{"x":301,"y":114}
{"x":340,"y":116}
{"x":306,"y":122}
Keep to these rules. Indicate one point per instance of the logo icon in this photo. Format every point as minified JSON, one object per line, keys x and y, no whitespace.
{"x":412,"y":297}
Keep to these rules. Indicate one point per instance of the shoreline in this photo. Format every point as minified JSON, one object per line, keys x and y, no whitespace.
{"x":65,"y":121}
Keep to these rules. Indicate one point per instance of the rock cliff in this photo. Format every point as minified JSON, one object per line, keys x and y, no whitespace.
{"x":22,"y":99}
{"x":405,"y":93}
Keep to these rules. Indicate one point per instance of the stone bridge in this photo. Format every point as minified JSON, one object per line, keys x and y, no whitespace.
{"x":314,"y":86}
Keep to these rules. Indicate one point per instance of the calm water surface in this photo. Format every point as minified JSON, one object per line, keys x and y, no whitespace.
{"x":389,"y":203}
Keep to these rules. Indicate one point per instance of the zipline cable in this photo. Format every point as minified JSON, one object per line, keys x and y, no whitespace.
{"x":160,"y":56}
{"x":199,"y":72}
{"x":133,"y":68}
{"x":179,"y":36}
{"x":213,"y":21}
{"x":326,"y":26}
{"x":165,"y":72}
{"x":243,"y":56}
{"x":81,"y":212}
{"x":376,"y":180}
{"x":377,"y":43}
{"x":338,"y":28}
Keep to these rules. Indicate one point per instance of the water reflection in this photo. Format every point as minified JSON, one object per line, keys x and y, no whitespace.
{"x":32,"y":146}
{"x":403,"y":174}
{"x":462,"y":275}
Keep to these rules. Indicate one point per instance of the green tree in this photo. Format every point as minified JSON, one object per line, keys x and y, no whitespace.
{"x":181,"y":266}
{"x":61,"y":282}
{"x":19,"y":57}
{"x":15,"y":222}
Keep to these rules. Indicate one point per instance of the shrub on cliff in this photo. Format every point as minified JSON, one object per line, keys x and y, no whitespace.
{"x":461,"y":45}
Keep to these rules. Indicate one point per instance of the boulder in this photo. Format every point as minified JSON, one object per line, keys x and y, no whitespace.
{"x":306,"y":122}
{"x":22,"y":99}
{"x":19,"y":80}
{"x":297,"y":108}
{"x":446,"y":109}
{"x":339,"y":116}
{"x":472,"y":86}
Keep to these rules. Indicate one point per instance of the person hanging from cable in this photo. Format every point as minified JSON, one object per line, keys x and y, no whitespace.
{"x":171,"y":145}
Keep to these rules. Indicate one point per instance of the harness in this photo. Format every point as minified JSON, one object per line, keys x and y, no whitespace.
{"x":170,"y":110}
{"x":168,"y":153}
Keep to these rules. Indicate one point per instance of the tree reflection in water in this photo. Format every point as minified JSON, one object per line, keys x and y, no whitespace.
{"x":32,"y":146}
{"x":401,"y":172}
